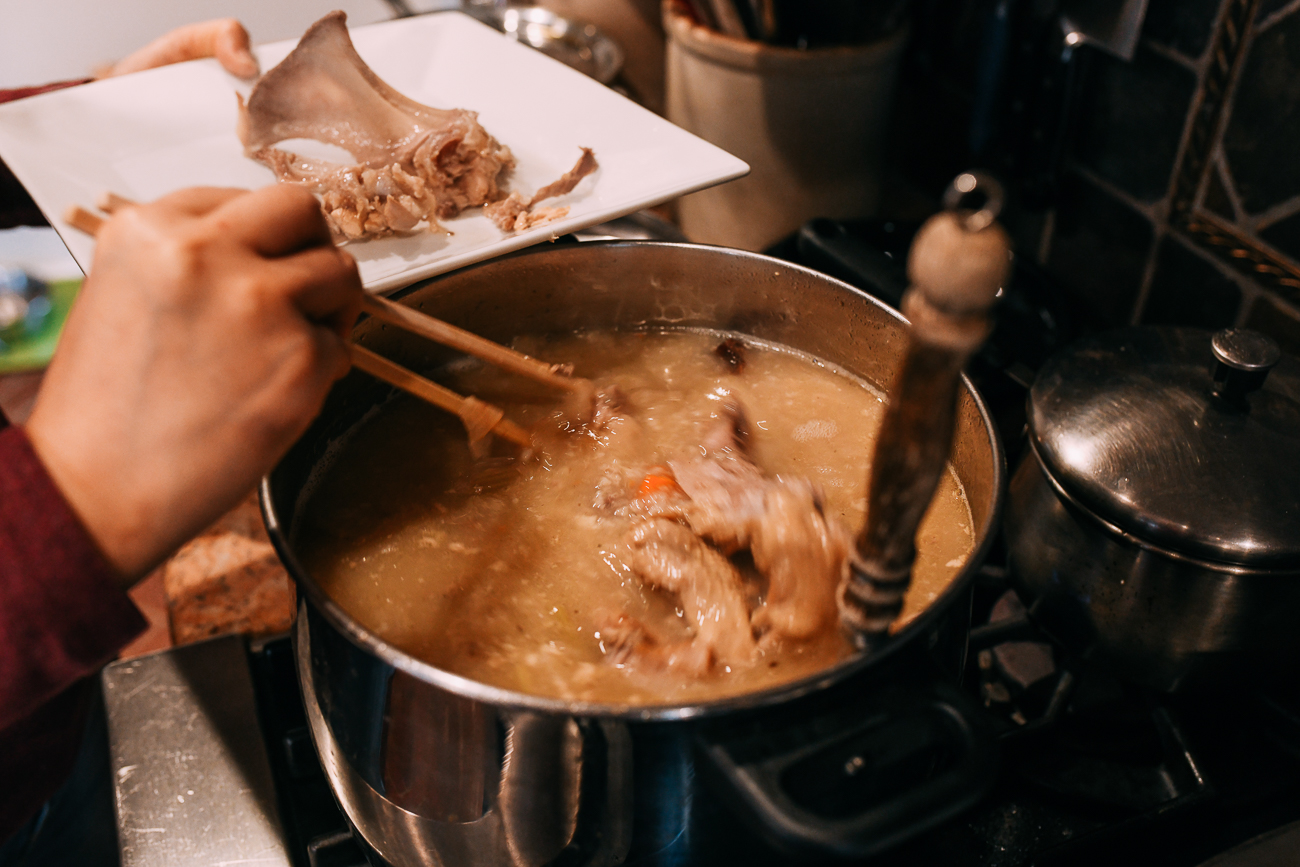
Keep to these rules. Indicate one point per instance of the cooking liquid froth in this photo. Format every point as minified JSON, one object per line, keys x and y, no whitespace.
{"x":503,"y":572}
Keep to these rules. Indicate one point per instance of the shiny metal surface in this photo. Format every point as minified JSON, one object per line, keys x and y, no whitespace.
{"x":187,"y":754}
{"x":494,"y":788}
{"x":1129,"y":425}
{"x":436,"y":769}
{"x":510,"y":787}
{"x":629,"y":285}
{"x":1244,"y":359}
{"x":1150,"y":616}
{"x":576,"y":44}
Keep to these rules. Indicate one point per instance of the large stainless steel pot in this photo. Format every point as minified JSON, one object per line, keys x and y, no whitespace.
{"x":1155,"y":524}
{"x":434,"y":769}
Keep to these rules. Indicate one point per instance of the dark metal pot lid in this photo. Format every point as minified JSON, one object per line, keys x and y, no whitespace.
{"x":1184,"y":439}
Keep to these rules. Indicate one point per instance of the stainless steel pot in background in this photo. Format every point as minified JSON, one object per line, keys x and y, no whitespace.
{"x":434,"y":769}
{"x":1154,"y":524}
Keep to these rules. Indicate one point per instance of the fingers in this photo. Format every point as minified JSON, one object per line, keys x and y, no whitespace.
{"x":333,"y":358}
{"x":231,"y":48}
{"x":283,"y":226}
{"x":275,"y":220}
{"x":199,"y":201}
{"x":225,"y":38}
{"x":323,"y":284}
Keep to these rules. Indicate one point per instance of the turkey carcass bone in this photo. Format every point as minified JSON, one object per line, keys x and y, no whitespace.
{"x":413,"y":162}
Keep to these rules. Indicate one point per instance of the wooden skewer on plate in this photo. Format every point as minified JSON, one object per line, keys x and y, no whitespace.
{"x":479,"y":417}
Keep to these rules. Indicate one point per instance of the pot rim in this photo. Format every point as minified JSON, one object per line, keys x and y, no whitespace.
{"x":519,"y":701}
{"x":1126,"y":536}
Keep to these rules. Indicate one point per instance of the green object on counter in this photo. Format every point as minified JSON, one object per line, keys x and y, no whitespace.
{"x":34,"y":351}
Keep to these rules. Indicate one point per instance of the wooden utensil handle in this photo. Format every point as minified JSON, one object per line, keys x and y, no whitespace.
{"x":480,"y":418}
{"x":958,"y":263}
{"x":466,"y":341}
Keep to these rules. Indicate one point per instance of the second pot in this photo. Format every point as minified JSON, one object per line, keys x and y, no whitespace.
{"x":1154,"y":525}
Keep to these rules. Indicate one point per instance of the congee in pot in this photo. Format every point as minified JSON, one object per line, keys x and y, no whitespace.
{"x":680,"y":544}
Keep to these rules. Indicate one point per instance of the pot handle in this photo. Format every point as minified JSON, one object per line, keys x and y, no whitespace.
{"x":853,"y":783}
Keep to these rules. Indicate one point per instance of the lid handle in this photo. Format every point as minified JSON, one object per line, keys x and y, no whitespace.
{"x":1243,"y":359}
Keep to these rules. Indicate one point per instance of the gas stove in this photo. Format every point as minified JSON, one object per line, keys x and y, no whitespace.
{"x":213,"y":763}
{"x":1097,"y":771}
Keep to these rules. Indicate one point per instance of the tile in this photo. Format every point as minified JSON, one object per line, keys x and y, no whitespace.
{"x":1261,"y":136}
{"x":1183,"y":25}
{"x":1217,"y":200}
{"x":1268,"y":7}
{"x":1280,"y":322}
{"x":1187,"y":289}
{"x":1099,"y":251}
{"x":1131,"y":118}
{"x":1284,"y":235}
{"x":1025,"y":225}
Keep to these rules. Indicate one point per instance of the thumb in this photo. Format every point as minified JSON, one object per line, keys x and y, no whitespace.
{"x":231,"y":48}
{"x":223,"y":38}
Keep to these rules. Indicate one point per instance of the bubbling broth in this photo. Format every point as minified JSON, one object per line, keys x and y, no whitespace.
{"x":539,"y":575}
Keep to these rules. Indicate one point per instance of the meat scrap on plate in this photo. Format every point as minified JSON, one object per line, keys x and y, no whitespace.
{"x":414,"y":164}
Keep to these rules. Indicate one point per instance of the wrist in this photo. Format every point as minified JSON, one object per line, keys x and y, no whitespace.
{"x":108,"y":524}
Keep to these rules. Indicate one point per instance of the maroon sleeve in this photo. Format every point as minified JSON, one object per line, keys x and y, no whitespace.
{"x":62,"y":616}
{"x":62,"y":611}
{"x":16,"y":206}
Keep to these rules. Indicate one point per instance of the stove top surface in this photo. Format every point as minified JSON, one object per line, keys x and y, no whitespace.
{"x":212,"y":755}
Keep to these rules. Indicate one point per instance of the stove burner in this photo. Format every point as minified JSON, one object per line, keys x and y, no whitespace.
{"x":1096,"y":770}
{"x":318,"y":834}
{"x":1077,"y":734}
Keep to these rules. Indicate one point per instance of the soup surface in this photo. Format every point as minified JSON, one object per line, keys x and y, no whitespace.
{"x":507,"y":571}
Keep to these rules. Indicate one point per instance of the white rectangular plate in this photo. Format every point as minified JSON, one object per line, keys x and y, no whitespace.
{"x":147,"y":134}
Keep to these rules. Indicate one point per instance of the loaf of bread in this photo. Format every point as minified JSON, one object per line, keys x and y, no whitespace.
{"x":228,"y":579}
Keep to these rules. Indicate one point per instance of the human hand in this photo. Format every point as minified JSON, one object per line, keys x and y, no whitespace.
{"x":224,"y":38}
{"x":203,"y":342}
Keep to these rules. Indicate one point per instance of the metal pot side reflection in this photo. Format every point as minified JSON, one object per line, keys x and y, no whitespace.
{"x":432,"y":768}
{"x":1154,"y":523}
{"x":1150,"y":615}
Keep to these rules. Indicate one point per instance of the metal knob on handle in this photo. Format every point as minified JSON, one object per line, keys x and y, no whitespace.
{"x":1243,"y":359}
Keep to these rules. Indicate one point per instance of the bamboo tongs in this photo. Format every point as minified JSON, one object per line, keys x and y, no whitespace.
{"x":479,"y":417}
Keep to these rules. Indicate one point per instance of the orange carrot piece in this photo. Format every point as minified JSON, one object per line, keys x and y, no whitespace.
{"x":658,"y":479}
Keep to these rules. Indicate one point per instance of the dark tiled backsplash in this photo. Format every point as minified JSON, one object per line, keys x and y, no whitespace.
{"x":1127,"y":113}
{"x":1178,"y":197}
{"x":1263,"y":129}
{"x":1267,"y":315}
{"x":1183,"y":25}
{"x":1098,"y":248}
{"x":1179,"y":265}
